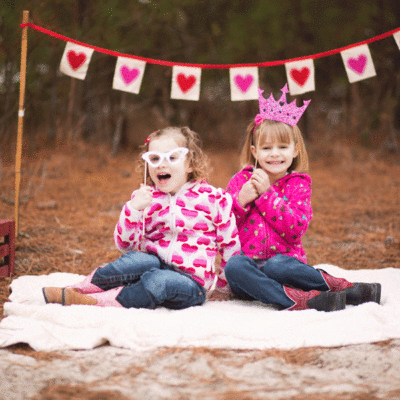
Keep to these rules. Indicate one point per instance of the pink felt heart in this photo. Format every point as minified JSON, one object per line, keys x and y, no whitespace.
{"x":300,"y":76}
{"x":128,"y":75}
{"x":243,"y":83}
{"x":75,"y":60}
{"x":185,"y":83}
{"x":358,"y":64}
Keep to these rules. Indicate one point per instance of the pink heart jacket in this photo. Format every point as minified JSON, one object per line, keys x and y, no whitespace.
{"x":186,"y":230}
{"x":275,"y":222}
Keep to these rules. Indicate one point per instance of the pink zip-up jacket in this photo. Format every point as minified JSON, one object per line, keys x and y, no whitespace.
{"x":186,"y":230}
{"x":275,"y":222}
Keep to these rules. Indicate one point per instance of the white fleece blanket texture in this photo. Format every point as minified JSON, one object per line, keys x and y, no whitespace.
{"x":231,"y":325}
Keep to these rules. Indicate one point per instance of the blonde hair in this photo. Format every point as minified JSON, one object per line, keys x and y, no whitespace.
{"x":275,"y":131}
{"x":184,"y":137}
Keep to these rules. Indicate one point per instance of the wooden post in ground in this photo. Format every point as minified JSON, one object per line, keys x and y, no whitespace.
{"x":22,"y":78}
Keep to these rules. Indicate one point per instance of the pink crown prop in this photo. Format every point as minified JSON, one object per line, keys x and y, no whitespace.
{"x":279,"y":110}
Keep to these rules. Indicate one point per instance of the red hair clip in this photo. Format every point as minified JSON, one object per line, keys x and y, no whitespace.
{"x":149,"y":137}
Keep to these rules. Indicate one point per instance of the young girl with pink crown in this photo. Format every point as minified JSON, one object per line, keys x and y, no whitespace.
{"x":272,"y":205}
{"x":177,"y":223}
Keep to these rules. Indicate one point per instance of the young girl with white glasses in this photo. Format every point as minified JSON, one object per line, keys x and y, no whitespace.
{"x":171,"y":231}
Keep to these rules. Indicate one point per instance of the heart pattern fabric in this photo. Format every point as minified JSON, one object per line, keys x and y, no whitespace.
{"x":202,"y":226}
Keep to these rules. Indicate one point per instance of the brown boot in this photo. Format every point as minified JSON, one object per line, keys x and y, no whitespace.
{"x":68,"y":296}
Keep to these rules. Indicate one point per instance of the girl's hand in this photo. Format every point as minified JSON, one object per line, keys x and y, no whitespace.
{"x":142,"y":198}
{"x":247,"y":194}
{"x":260,"y":180}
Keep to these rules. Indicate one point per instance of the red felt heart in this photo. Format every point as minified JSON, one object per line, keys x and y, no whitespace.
{"x":75,"y":60}
{"x":300,"y":77}
{"x":185,"y":83}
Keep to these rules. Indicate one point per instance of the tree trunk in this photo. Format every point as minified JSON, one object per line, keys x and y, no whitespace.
{"x":119,"y":126}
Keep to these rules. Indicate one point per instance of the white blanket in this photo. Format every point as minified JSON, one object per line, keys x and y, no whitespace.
{"x":233,"y":324}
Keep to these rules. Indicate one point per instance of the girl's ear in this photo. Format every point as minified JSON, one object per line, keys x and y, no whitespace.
{"x":296,"y":151}
{"x":253,"y":151}
{"x":189,"y":168}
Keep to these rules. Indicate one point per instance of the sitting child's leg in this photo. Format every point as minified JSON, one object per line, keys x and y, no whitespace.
{"x":244,"y":276}
{"x":157,"y":287}
{"x":289,"y":271}
{"x":248,"y":282}
{"x":165,"y":288}
{"x":126,"y":269}
{"x":293,"y":272}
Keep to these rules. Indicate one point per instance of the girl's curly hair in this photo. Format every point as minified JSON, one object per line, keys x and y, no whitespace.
{"x":184,"y":137}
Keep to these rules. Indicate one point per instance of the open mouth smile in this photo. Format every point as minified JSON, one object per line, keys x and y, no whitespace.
{"x":163,"y":177}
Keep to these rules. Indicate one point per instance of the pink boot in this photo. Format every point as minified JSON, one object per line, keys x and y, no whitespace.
{"x":335,"y":284}
{"x":321,"y":301}
{"x":357,"y":292}
{"x":108,"y":298}
{"x":67,"y":297}
{"x":86,"y":286}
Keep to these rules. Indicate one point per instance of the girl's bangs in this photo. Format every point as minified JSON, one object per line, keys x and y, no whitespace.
{"x":277,"y":133}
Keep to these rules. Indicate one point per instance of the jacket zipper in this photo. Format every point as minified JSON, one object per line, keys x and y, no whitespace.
{"x":172,"y":221}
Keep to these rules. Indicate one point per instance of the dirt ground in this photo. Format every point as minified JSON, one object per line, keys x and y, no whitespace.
{"x":70,"y":202}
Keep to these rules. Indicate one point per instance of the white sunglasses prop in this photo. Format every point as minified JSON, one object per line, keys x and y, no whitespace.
{"x":155,"y":158}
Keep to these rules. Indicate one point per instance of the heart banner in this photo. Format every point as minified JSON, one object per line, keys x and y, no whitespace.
{"x":244,"y":77}
{"x":75,"y":60}
{"x":244,"y":83}
{"x":185,"y":83}
{"x":358,"y":63}
{"x":300,"y":76}
{"x":128,"y":74}
{"x":396,"y":37}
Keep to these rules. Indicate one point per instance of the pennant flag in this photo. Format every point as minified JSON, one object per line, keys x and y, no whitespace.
{"x":300,"y":76}
{"x":128,"y":74}
{"x":185,"y":83}
{"x":244,"y":83}
{"x":396,"y":37}
{"x":75,"y":60}
{"x":358,"y":63}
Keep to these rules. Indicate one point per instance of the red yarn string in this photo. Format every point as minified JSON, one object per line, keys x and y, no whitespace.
{"x":210,"y":66}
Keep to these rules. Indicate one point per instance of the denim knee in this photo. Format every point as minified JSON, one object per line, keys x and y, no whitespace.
{"x":282,"y":266}
{"x":173,"y":289}
{"x":125,"y":270}
{"x":236,"y":265}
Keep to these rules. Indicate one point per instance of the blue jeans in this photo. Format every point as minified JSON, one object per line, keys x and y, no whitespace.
{"x":264,"y":280}
{"x":148,"y":283}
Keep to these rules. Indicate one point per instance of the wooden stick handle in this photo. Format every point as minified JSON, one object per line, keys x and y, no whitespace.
{"x":22,"y":79}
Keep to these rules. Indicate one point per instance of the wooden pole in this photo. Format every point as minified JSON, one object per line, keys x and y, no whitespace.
{"x":22,"y":77}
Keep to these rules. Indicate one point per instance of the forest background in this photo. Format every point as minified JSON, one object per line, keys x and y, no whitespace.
{"x":60,"y":109}
{"x":80,"y":138}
